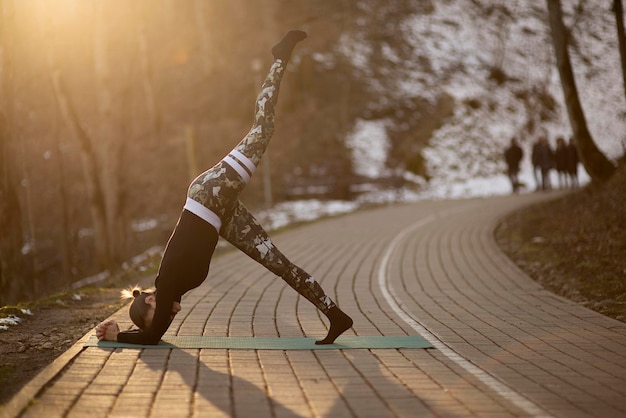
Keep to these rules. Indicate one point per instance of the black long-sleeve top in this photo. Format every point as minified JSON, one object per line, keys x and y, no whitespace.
{"x":184,"y":266}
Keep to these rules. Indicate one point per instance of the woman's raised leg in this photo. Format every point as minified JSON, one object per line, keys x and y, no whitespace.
{"x":246,"y":156}
{"x":219,"y":187}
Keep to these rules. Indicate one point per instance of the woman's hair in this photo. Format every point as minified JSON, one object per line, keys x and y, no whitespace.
{"x":138,"y":308}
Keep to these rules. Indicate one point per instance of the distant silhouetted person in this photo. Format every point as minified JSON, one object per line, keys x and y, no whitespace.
{"x":534,"y":159}
{"x":543,"y":158}
{"x":561,"y":159}
{"x":513,"y":156}
{"x":572,"y":162}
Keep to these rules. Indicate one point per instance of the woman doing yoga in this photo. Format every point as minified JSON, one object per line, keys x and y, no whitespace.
{"x":213,"y":209}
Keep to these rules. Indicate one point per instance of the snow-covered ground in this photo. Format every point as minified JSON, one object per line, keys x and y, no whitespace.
{"x":462,"y":44}
{"x":468,"y":148}
{"x":288,"y":213}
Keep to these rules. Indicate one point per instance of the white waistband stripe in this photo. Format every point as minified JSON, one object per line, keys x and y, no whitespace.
{"x":203,"y":212}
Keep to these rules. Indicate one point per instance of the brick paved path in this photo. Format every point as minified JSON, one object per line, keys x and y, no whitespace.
{"x":503,"y":345}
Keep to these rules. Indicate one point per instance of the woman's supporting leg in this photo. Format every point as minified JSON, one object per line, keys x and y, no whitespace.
{"x":244,"y":232}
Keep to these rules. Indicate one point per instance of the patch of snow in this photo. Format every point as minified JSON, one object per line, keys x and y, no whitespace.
{"x":143,"y":225}
{"x":370,"y":145}
{"x":287,"y":213}
{"x":91,"y":279}
{"x":10,"y":320}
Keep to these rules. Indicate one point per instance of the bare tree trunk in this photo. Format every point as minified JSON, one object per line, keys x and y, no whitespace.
{"x":65,"y":238}
{"x":596,"y":163}
{"x":29,"y":221}
{"x":192,"y":157}
{"x":91,"y":170}
{"x":200,"y":9}
{"x":63,"y":200}
{"x":110,"y":144}
{"x":146,"y":69}
{"x":343,"y":182}
{"x":13,"y":283}
{"x":618,"y":9}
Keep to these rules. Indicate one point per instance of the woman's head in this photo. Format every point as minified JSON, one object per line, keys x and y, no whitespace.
{"x":141,"y":309}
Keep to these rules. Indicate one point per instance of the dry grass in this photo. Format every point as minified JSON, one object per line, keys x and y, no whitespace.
{"x":575,"y":246}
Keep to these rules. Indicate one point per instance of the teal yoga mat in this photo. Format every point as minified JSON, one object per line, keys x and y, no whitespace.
{"x":264,"y":343}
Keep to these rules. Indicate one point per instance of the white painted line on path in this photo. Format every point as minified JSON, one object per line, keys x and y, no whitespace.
{"x":400,"y":309}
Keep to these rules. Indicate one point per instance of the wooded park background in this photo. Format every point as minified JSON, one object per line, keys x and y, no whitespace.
{"x":109,"y":108}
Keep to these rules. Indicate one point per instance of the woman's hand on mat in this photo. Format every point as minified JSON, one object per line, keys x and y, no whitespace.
{"x":107,"y":331}
{"x":175,"y":307}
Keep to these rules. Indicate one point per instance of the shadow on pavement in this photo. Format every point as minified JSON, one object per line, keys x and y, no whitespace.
{"x":188,"y":378}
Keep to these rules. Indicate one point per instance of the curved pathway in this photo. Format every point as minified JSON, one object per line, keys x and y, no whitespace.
{"x":503,"y":346}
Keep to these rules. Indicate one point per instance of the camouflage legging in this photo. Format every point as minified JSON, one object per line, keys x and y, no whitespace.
{"x":218,"y":189}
